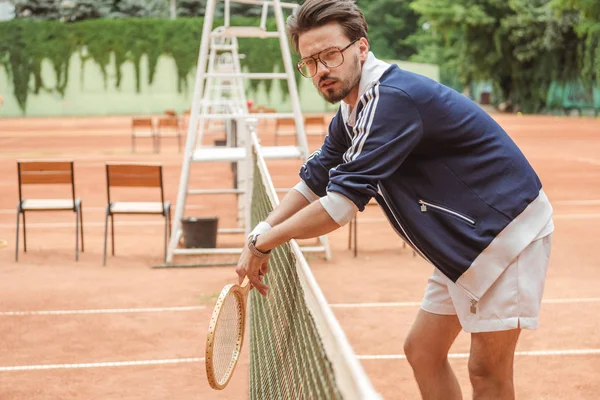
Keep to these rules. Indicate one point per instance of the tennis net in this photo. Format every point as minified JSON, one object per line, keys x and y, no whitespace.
{"x":297,"y":348}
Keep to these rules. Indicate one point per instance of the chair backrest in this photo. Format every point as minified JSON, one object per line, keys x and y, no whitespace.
{"x":286,"y":122}
{"x":168,"y":122}
{"x":171,"y":113}
{"x":46,"y":173}
{"x":320,"y":120}
{"x":141,"y":122}
{"x":134,"y":175}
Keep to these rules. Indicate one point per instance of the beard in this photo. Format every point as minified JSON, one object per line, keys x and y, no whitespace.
{"x":333,"y":95}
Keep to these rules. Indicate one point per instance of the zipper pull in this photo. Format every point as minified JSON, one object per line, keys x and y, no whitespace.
{"x":423,"y":206}
{"x":473,"y":306}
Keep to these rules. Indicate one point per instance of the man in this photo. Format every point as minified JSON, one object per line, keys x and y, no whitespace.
{"x":452,"y":183}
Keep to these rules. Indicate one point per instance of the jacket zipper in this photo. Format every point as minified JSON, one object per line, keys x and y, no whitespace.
{"x":474,"y":300}
{"x":414,"y":246}
{"x":425,"y":204}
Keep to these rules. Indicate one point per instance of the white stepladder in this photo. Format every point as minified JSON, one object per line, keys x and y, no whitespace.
{"x":233,"y":107}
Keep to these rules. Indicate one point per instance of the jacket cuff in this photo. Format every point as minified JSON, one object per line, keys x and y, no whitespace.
{"x":339,"y":207}
{"x":303,"y":188}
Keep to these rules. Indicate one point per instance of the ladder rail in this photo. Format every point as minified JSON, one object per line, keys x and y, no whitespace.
{"x":192,"y":129}
{"x":291,"y":79}
{"x":228,"y":103}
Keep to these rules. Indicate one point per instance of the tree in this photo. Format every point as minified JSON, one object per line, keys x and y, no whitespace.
{"x":521,"y":46}
{"x":586,"y":14}
{"x":391,"y":22}
{"x":37,"y":9}
{"x":78,"y":10}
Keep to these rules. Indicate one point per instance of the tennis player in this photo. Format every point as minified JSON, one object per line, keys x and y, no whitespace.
{"x":452,"y":183}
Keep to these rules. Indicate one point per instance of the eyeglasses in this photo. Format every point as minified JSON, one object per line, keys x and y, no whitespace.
{"x":331,"y":57}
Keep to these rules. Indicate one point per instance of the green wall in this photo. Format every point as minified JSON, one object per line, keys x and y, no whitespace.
{"x":86,"y":93}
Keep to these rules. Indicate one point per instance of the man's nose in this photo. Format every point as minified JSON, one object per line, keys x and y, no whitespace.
{"x":322,"y":70}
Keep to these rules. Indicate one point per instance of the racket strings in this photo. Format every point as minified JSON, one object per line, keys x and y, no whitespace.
{"x":227,"y":337}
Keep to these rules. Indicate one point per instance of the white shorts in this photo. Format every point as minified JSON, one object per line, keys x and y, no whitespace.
{"x":513,"y":301}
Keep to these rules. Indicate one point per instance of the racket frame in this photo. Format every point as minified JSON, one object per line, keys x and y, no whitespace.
{"x":241,"y":295}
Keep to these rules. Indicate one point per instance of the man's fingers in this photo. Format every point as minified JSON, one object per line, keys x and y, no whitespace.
{"x":258,"y":285}
{"x":241,"y":271}
{"x":264,"y":268}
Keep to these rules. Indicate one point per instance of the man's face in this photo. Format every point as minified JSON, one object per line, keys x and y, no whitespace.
{"x":334,"y":84}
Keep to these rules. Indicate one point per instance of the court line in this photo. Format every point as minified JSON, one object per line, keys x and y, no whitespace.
{"x":586,"y":160}
{"x":13,"y":211}
{"x":576,"y":202}
{"x":197,"y":308}
{"x":101,"y":311}
{"x":536,"y":353}
{"x":576,"y":216}
{"x":100,"y":364}
{"x":418,"y":303}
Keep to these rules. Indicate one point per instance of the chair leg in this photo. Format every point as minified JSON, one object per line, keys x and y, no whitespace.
{"x":179,"y":142}
{"x":17,"y":240}
{"x":81,"y":225}
{"x":112,"y":232}
{"x":132,"y":143}
{"x":350,"y":234}
{"x":105,"y":235}
{"x":166,"y":237}
{"x":355,"y":237}
{"x":24,"y":234}
{"x":77,"y":234}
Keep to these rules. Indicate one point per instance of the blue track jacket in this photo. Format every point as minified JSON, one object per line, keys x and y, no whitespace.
{"x":450,"y":180}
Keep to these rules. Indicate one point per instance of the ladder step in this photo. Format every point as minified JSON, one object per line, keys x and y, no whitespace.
{"x":223,"y":47}
{"x":244,"y":32}
{"x":250,"y":116}
{"x":214,"y":154}
{"x":248,"y":75}
{"x":197,"y":251}
{"x":216,"y":191}
{"x":190,"y":252}
{"x":262,"y":2}
{"x":231,"y":230}
{"x":312,"y":249}
{"x":209,"y":154}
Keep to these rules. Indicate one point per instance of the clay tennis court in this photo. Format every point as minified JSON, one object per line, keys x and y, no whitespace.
{"x":79,"y":330}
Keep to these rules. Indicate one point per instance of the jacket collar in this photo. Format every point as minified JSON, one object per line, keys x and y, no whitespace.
{"x":372,"y":70}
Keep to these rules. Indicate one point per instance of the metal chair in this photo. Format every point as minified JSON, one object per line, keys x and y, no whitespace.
{"x":168,"y":126}
{"x":131,"y":176}
{"x":142,"y":127}
{"x":315,"y":125}
{"x":48,"y":173}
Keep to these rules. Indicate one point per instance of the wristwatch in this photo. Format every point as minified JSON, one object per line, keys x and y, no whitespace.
{"x":253,"y":249}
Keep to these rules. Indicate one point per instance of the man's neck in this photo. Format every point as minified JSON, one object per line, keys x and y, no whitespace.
{"x":352,"y":97}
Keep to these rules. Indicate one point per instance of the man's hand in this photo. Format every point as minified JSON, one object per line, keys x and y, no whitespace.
{"x":255,"y":268}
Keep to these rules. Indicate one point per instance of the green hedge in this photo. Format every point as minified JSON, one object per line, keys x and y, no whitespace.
{"x":25,"y":44}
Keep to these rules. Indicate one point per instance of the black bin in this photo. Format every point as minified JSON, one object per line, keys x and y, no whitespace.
{"x":200,"y":232}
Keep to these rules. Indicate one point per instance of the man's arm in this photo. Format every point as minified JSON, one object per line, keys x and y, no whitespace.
{"x":293,"y":202}
{"x":385,"y":134}
{"x":310,"y":222}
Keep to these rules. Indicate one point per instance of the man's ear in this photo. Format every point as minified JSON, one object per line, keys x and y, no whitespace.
{"x":364,"y":49}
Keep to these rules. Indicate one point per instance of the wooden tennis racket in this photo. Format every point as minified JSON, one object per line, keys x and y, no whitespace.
{"x":226,"y":334}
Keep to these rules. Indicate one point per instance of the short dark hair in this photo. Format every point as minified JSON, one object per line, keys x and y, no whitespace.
{"x":316,"y":13}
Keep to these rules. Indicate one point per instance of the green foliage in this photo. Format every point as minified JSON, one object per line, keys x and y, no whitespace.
{"x":110,"y":44}
{"x":521,"y":46}
{"x":391,"y":22}
{"x":586,"y":14}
